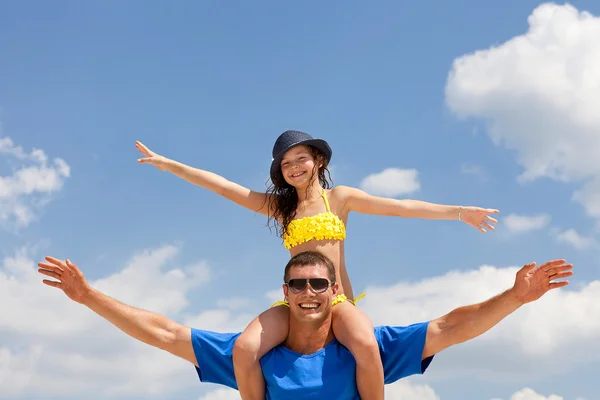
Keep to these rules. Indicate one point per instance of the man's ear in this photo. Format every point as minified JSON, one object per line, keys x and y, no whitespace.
{"x":285,"y":291}
{"x":335,"y":288}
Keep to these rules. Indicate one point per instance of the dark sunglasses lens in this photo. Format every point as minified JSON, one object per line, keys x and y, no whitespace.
{"x":297,"y":285}
{"x":319,"y":284}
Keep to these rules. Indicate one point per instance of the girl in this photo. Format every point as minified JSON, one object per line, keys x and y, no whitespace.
{"x":311,"y":216}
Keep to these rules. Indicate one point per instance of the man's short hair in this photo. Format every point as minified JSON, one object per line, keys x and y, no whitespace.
{"x":307,"y":258}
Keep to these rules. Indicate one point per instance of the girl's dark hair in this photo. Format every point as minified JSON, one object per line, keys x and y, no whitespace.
{"x":283,"y":197}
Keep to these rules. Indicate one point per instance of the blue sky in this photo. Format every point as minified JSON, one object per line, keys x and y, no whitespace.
{"x":213,"y":84}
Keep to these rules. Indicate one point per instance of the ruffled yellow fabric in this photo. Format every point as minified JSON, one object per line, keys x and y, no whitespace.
{"x":336,"y":300}
{"x":323,"y":226}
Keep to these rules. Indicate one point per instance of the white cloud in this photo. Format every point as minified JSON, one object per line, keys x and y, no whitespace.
{"x":392,"y":182}
{"x":539,"y":94}
{"x":530,"y":394}
{"x":274,"y":295}
{"x":222,"y":394}
{"x":234,"y":303}
{"x":46,"y":337}
{"x":523,"y":223}
{"x":31,"y":184}
{"x":540,"y":339}
{"x":17,"y":369}
{"x":58,"y":360}
{"x":406,"y":390}
{"x":476,"y":170}
{"x":573,"y":238}
{"x":401,"y":390}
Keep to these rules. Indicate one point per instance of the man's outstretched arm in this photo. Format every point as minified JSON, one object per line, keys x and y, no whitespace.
{"x":150,"y":328}
{"x":468,"y":322}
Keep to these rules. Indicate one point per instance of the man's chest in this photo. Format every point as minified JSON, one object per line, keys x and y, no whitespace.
{"x":329,"y":374}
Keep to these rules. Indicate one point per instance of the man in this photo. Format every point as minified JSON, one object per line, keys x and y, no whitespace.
{"x":311,"y":363}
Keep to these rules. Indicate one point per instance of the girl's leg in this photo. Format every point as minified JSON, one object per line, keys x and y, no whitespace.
{"x":354,"y":329}
{"x":262,"y":334}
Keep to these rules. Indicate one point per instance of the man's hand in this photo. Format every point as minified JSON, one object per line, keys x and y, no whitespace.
{"x":533,"y":282}
{"x":468,"y":322}
{"x":157,"y":160}
{"x":145,"y":326}
{"x":70,"y":278}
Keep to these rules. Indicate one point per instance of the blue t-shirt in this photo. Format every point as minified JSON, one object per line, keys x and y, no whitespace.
{"x":328,"y":373}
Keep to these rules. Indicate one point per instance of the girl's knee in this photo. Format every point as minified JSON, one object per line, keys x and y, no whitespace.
{"x":364,"y":344}
{"x":245,"y":347}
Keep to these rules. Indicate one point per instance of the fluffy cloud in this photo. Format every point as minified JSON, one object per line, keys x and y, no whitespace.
{"x":222,"y":394}
{"x":539,"y":94}
{"x":46,"y":338}
{"x":407,"y":390}
{"x":530,"y":394}
{"x":58,"y":360}
{"x":475,"y":170}
{"x":545,"y":337}
{"x":401,"y":390}
{"x":30,"y":184}
{"x":392,"y":182}
{"x":523,"y":223}
{"x":578,"y":241}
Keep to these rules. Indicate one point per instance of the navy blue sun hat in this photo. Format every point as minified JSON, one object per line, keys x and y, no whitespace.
{"x":289,"y":139}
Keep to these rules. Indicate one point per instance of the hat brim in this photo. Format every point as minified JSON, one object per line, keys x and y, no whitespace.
{"x":320,"y":144}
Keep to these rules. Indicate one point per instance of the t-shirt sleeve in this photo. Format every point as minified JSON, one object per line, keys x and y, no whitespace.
{"x":213,"y":352}
{"x":401,"y":350}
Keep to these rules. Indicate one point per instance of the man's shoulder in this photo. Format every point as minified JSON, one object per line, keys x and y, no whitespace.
{"x":402,"y":350}
{"x":222,"y":341}
{"x":397,"y":333}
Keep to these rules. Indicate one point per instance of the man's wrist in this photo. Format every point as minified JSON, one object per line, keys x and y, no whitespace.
{"x":514,"y":298}
{"x":88,"y":297}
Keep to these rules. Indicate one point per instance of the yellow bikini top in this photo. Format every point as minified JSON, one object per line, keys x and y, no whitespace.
{"x":323,"y":226}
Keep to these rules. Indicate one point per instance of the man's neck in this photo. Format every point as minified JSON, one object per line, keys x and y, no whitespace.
{"x":308,"y":338}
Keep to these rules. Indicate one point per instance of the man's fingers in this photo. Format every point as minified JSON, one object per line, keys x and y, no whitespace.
{"x":527,"y":267}
{"x":551,"y":264}
{"x":58,"y":262}
{"x":58,"y":266}
{"x":492,"y":211}
{"x":559,"y":268}
{"x":51,"y":267}
{"x":556,"y":285}
{"x":51,"y":274}
{"x":51,"y":283}
{"x":72,"y":267}
{"x":561,"y":275}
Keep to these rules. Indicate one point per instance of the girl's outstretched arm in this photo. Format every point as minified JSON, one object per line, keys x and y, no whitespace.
{"x":362,"y":202}
{"x":239,"y":194}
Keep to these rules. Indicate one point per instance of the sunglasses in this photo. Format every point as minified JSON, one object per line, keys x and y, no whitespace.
{"x":318,"y":285}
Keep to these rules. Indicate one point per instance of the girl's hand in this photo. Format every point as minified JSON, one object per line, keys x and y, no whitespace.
{"x":157,"y":160}
{"x":478,"y":217}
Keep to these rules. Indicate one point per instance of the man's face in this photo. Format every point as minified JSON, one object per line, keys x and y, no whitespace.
{"x":308,"y":303}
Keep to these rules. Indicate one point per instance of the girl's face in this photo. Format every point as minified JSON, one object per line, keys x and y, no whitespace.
{"x":297,"y":166}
